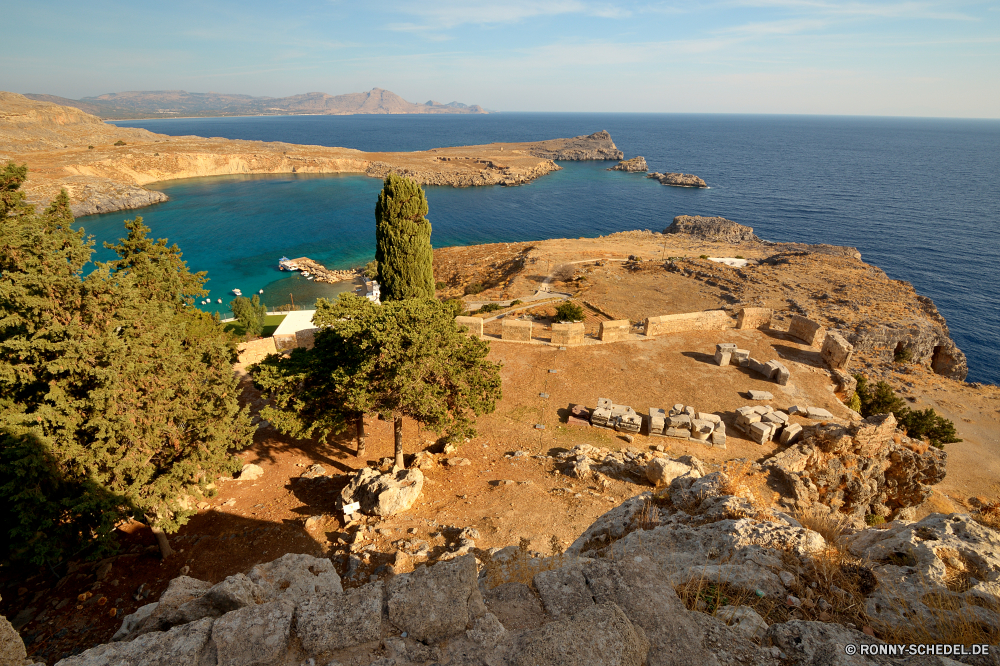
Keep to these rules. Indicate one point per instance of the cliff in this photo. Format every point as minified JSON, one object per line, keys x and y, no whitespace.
{"x":175,"y":103}
{"x":104,"y":168}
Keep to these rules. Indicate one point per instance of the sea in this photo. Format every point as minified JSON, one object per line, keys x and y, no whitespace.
{"x":920,"y":198}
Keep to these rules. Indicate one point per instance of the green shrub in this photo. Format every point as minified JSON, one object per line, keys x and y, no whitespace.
{"x":490,"y":307}
{"x":119,"y":142}
{"x":371,"y":270}
{"x":740,"y":256}
{"x":457,"y":306}
{"x":516,"y":301}
{"x":703,"y":256}
{"x":475,"y":288}
{"x":919,"y":424}
{"x":440,"y":285}
{"x":90,"y":147}
{"x":855,"y":402}
{"x":903,"y":355}
{"x":569,"y":311}
{"x":874,"y":520}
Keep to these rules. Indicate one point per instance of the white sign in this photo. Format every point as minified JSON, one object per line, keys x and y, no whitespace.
{"x":351,"y":508}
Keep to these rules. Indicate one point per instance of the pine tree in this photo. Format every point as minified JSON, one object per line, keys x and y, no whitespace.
{"x":250,"y":312}
{"x":117,"y":398}
{"x":403,"y":251}
{"x":402,"y":358}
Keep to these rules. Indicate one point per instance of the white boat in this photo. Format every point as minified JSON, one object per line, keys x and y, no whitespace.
{"x":220,"y":300}
{"x":237,"y":292}
{"x":306,"y":274}
{"x":261,"y":291}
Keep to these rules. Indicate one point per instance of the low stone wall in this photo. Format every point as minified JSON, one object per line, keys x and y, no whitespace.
{"x":567,"y":334}
{"x":613,"y":331}
{"x":255,"y":350}
{"x":474,"y":324}
{"x":808,"y":331}
{"x":837,"y":351}
{"x":754,"y":318}
{"x":515,"y":330}
{"x":706,"y":320}
{"x":288,"y":341}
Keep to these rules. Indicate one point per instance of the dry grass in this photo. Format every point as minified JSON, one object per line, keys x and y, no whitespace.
{"x":828,"y":524}
{"x":522,"y":567}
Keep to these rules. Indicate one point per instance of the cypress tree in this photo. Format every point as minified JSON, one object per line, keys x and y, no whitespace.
{"x":403,"y":251}
{"x":117,"y":398}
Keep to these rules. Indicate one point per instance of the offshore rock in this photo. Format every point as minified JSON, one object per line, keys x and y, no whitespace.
{"x":634,"y":165}
{"x":712,"y":228}
{"x":678,"y":179}
{"x":859,"y":469}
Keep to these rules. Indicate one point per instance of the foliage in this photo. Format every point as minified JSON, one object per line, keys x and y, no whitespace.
{"x":117,"y":398}
{"x":874,"y":520}
{"x":855,"y":402}
{"x":399,"y":358}
{"x":474,"y":288}
{"x":403,"y":241}
{"x":371,"y":270}
{"x":456,"y":305}
{"x":440,"y":285}
{"x":920,"y":424}
{"x":490,"y":307}
{"x":516,"y":301}
{"x":569,"y":311}
{"x":119,"y":142}
{"x":903,"y":355}
{"x":250,"y":312}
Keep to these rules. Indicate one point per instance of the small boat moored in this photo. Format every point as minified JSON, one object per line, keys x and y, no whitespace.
{"x":237,"y":292}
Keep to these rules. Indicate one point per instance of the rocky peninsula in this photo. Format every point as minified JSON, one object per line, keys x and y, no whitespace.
{"x":105,"y":168}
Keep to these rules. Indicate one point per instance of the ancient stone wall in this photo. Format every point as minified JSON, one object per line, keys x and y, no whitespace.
{"x":706,"y":320}
{"x":515,"y":330}
{"x":474,"y":324}
{"x":807,"y":330}
{"x":612,"y":331}
{"x":567,"y":334}
{"x":754,"y":318}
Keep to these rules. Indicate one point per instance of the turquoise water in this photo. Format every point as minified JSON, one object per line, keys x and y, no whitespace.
{"x":920,"y":198}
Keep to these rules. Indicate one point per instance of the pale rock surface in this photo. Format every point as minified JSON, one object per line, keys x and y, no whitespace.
{"x":744,"y":619}
{"x":12,"y":652}
{"x":330,"y":622}
{"x":435,"y":602}
{"x":295,"y":577}
{"x":187,"y":644}
{"x":254,"y":636}
{"x":384,"y":494}
{"x":633,"y":165}
{"x":600,"y":634}
{"x":251,"y":472}
{"x":711,"y":228}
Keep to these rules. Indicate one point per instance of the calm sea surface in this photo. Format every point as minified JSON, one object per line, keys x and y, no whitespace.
{"x":920,"y":198}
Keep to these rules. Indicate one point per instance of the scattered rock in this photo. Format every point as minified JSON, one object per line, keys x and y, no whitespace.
{"x":384,"y":494}
{"x":251,"y":472}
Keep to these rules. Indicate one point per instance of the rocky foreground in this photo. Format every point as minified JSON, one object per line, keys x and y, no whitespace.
{"x":697,"y":572}
{"x":106,"y":168}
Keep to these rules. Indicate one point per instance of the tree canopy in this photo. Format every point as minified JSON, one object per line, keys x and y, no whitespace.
{"x":403,"y":254}
{"x":117,"y":398}
{"x":399,"y":358}
{"x":250,"y":312}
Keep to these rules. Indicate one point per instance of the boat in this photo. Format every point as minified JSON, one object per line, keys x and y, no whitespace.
{"x":306,"y":274}
{"x":285,"y":264}
{"x":237,"y":292}
{"x":310,"y":277}
{"x":261,"y":291}
{"x":220,"y":300}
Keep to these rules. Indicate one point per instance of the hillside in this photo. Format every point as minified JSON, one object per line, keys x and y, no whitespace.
{"x":180,"y":103}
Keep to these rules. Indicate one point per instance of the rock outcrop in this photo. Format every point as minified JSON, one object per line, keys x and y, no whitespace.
{"x":860,"y":470}
{"x":927,"y":340}
{"x":612,"y":598}
{"x":596,"y":146}
{"x":384,"y":494}
{"x":678,"y":179}
{"x":634,"y":165}
{"x":12,"y":652}
{"x":712,"y":228}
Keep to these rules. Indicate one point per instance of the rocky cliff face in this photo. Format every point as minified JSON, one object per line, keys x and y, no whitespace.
{"x":634,"y":165}
{"x":711,"y":228}
{"x":596,"y":146}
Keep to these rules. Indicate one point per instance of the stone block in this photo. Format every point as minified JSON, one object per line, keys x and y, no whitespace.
{"x":740,"y":357}
{"x":771,"y":418}
{"x":790,"y":434}
{"x":701,"y":430}
{"x":781,"y":377}
{"x":515,"y":330}
{"x":753,"y":318}
{"x":567,"y":334}
{"x":796,"y":409}
{"x":605,"y":403}
{"x":722,"y":358}
{"x":679,"y":421}
{"x":578,"y":416}
{"x":657,"y":420}
{"x":612,"y":331}
{"x":600,"y":417}
{"x":818,"y":413}
{"x":689,"y":410}
{"x":726,"y":346}
{"x":807,"y":330}
{"x":783,"y":417}
{"x":760,"y":395}
{"x":836,"y":351}
{"x":474,"y":324}
{"x":629,"y":422}
{"x":760,"y":432}
{"x":707,"y":320}
{"x":719,"y":437}
{"x":677,"y":409}
{"x":758,"y":367}
{"x":683,"y":433}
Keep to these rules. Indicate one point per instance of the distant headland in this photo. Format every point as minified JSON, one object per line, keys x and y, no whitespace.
{"x":180,"y":103}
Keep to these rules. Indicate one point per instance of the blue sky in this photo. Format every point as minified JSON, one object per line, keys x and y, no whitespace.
{"x":907,"y":58}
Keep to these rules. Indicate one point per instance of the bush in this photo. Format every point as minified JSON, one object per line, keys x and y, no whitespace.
{"x":90,"y":147}
{"x":903,"y":355}
{"x":440,"y":285}
{"x":475,"y":288}
{"x":919,"y":424}
{"x":371,"y":270}
{"x":855,"y":402}
{"x":703,"y":256}
{"x":490,"y":307}
{"x":119,"y":142}
{"x":457,"y":306}
{"x":516,"y":301}
{"x":569,"y":311}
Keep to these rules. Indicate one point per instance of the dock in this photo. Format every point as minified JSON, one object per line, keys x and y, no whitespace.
{"x":322,"y":273}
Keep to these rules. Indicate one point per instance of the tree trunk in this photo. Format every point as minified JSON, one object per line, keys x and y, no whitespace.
{"x":161,"y":538}
{"x":397,"y":426}
{"x":360,"y":425}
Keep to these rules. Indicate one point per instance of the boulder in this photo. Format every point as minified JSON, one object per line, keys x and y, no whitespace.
{"x":563,"y":591}
{"x":661,"y":471}
{"x":384,"y":494}
{"x":634,"y":165}
{"x":180,"y":592}
{"x":433,"y":603}
{"x":819,"y":643}
{"x":12,"y":651}
{"x":335,"y":621}
{"x":711,"y":228}
{"x":131,"y":624}
{"x":295,"y":577}
{"x":186,"y":644}
{"x":744,"y":619}
{"x":251,"y":472}
{"x":254,"y":636}
{"x":600,"y":634}
{"x":515,"y":606}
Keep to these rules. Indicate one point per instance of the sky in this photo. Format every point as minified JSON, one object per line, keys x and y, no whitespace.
{"x":905,"y":58}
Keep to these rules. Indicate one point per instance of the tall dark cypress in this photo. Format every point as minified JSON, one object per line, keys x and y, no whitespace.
{"x":403,"y":241}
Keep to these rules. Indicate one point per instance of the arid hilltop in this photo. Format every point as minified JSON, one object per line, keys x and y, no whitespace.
{"x":104,"y":168}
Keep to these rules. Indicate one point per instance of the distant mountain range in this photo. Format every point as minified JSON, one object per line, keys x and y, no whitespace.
{"x":180,"y":103}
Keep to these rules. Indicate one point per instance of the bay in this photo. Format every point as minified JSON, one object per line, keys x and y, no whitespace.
{"x":920,"y":198}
